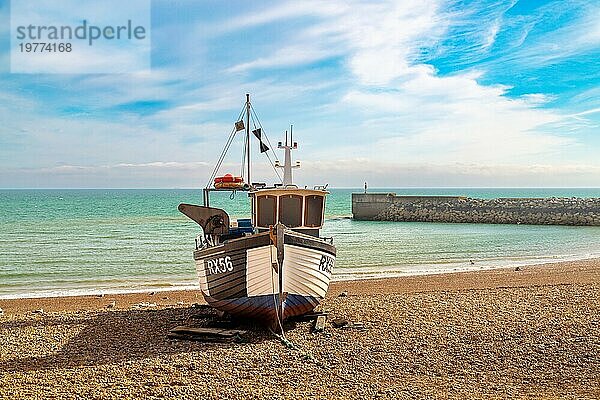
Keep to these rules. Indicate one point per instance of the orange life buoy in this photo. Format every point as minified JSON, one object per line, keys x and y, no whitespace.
{"x":229,"y":181}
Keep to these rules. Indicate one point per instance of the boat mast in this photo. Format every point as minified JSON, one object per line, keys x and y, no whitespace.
{"x":287,"y":166}
{"x":248,"y":135}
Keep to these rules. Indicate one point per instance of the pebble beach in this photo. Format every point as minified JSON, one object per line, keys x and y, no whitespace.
{"x":532,"y":333}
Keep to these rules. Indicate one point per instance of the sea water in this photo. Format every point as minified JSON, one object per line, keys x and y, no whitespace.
{"x":68,"y":242}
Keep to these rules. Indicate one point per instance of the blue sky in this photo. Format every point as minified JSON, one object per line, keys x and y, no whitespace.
{"x":411,"y":93}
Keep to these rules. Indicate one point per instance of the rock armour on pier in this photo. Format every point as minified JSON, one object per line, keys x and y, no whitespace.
{"x":533,"y":211}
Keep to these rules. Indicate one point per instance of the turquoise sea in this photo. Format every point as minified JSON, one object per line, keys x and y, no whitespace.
{"x":67,"y":242}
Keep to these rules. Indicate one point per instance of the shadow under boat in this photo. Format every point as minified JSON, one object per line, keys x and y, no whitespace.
{"x":119,"y":336}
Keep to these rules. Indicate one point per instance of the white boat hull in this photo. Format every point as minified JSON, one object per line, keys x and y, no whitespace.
{"x":242,"y":277}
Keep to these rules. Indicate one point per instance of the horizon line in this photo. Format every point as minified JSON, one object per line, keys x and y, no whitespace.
{"x":333,"y":187}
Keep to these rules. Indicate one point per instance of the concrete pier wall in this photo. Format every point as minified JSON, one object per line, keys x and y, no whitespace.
{"x":533,"y":211}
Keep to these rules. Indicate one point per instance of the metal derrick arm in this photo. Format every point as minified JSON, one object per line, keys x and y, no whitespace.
{"x":250,"y":115}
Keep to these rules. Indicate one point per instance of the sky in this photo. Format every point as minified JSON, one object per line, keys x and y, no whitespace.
{"x":423,"y":93}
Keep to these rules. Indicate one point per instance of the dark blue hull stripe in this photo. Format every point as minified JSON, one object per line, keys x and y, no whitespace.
{"x":265,"y":306}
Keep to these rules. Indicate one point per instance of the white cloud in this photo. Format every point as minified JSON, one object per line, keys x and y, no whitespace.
{"x":83,"y":60}
{"x":104,"y":56}
{"x":490,"y":36}
{"x":344,"y":172}
{"x":581,"y":35}
{"x":287,"y":56}
{"x":385,"y":50}
{"x":376,"y":38}
{"x":153,"y":166}
{"x":454,"y":118}
{"x":588,"y":112}
{"x":279,"y":12}
{"x":423,"y":116}
{"x":537,"y":99}
{"x":352,"y":172}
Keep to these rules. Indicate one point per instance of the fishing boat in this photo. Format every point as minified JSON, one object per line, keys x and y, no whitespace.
{"x":274,"y":265}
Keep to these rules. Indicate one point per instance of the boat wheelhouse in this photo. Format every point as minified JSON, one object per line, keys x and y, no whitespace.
{"x":301,"y":210}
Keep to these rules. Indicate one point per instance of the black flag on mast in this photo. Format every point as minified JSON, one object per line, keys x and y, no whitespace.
{"x":258,"y":133}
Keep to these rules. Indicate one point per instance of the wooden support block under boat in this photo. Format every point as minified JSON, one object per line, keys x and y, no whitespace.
{"x":320,"y":323}
{"x":309,"y":316}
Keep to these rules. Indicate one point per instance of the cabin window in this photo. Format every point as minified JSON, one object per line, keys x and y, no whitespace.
{"x":290,"y":210}
{"x":266,"y":210}
{"x":314,"y":211}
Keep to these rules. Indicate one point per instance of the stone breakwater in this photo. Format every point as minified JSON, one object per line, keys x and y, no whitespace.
{"x":532,"y":211}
